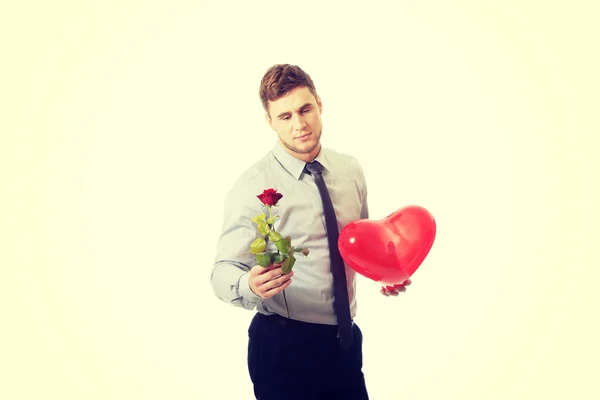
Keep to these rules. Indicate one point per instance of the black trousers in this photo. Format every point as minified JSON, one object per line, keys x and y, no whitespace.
{"x":290,"y":360}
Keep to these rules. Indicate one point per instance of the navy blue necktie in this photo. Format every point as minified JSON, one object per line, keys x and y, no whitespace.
{"x":340,"y":290}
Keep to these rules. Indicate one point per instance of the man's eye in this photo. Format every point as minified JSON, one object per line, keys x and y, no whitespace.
{"x":286,"y":117}
{"x":305,"y":110}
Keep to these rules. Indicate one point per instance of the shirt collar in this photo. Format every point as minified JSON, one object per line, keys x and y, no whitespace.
{"x":294,"y":165}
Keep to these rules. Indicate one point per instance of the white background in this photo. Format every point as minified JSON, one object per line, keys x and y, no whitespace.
{"x":127,"y":122}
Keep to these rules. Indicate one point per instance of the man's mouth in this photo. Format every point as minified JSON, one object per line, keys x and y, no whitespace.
{"x":303,"y":136}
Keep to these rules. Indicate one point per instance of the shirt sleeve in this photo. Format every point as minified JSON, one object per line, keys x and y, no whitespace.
{"x":364,"y":210}
{"x":233,"y":261}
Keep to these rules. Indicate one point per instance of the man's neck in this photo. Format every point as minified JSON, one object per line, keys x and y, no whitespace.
{"x":306,"y":157}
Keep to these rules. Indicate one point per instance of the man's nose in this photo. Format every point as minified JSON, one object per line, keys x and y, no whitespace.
{"x":299,"y":122}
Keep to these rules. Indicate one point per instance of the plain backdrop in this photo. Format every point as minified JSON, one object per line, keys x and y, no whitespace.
{"x":125,"y":122}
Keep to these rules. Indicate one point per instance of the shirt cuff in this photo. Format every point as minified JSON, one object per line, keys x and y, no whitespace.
{"x":245,"y":291}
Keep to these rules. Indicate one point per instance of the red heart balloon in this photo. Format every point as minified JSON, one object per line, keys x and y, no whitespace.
{"x":391,"y":249}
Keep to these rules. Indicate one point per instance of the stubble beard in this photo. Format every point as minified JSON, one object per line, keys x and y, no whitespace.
{"x":300,"y":151}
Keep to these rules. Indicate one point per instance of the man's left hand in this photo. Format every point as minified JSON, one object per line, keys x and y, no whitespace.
{"x":395,"y":289}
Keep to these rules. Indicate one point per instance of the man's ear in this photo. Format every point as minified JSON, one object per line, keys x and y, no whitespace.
{"x":320,"y":105}
{"x":269,"y":120}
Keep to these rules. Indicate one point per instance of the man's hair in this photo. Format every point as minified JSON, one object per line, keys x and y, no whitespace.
{"x":280,"y":79}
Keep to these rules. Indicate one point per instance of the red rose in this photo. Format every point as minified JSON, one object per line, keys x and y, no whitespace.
{"x":270,"y":197}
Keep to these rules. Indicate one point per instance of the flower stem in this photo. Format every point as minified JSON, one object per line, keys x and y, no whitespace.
{"x":272,"y":226}
{"x":286,"y":304}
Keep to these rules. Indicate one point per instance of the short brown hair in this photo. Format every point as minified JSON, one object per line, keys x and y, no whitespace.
{"x":281,"y":79}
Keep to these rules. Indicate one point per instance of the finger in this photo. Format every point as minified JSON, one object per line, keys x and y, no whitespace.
{"x":406,"y":282}
{"x":277,"y":283}
{"x":274,"y":273}
{"x":266,"y":276}
{"x":258,"y":282}
{"x":270,"y":268}
{"x":268,"y":288}
{"x":273,"y":291}
{"x":273,"y":283}
{"x":400,"y":289}
{"x":258,"y":270}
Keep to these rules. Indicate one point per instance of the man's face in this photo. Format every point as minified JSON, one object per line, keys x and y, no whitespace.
{"x":296,"y":118}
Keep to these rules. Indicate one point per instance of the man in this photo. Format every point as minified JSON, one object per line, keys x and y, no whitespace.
{"x":302,"y":342}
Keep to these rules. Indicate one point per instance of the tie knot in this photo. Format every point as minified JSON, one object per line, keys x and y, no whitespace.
{"x":314,"y":168}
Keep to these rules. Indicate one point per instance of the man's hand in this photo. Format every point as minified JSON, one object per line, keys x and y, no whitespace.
{"x":394,"y":290}
{"x":266,"y":282}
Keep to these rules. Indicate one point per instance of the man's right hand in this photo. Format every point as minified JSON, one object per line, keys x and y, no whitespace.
{"x":266,"y":282}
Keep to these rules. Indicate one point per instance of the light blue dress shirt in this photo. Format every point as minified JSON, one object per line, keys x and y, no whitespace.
{"x":310,"y":295}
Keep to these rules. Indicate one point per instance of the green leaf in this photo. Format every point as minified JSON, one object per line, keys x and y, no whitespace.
{"x":258,"y":245}
{"x":286,"y":267}
{"x":263,"y":259}
{"x":271,"y":220}
{"x":274,"y":236}
{"x":259,"y":217}
{"x":263,"y":228}
{"x":283,"y":245}
{"x":276,"y":258}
